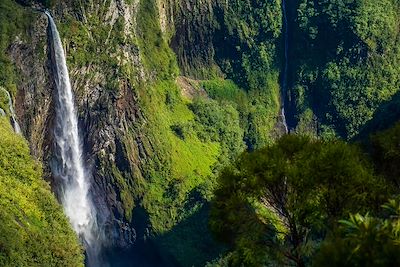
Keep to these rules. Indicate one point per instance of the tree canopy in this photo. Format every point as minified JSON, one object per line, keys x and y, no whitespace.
{"x":276,"y":204}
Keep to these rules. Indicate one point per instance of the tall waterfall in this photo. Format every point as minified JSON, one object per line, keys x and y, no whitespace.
{"x":75,"y":179}
{"x":285,"y":70}
{"x":16,"y":126}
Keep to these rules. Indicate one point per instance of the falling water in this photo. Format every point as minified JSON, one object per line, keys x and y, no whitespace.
{"x":285,"y":70}
{"x":17,"y":129}
{"x":69,"y":168}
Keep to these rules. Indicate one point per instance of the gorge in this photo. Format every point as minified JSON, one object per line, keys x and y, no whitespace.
{"x":144,"y":117}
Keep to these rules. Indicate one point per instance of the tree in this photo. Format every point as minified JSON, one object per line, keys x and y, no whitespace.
{"x":364,"y":241}
{"x":386,"y":153}
{"x":275,"y":204}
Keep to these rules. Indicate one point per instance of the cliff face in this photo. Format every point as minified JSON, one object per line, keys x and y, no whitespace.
{"x":149,"y":145}
{"x":194,"y":23}
{"x":107,"y":109}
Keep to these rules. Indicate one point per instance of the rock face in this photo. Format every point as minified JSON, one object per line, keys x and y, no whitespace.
{"x":195,"y":23}
{"x":34,"y":106}
{"x":109,"y":112}
{"x":108,"y":46}
{"x":105,"y":114}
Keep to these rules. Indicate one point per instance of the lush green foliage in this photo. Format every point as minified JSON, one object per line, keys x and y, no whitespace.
{"x":13,"y":22}
{"x":246,"y":51}
{"x":344,"y":60}
{"x":193,"y":137}
{"x":33,"y":229}
{"x":237,"y":40}
{"x":364,"y":241}
{"x":256,"y":117}
{"x":179,"y":164}
{"x":218,"y":123}
{"x":386,"y":154}
{"x":248,"y":37}
{"x":274,"y":205}
{"x":156,"y":54}
{"x":344,"y":63}
{"x":95,"y":36}
{"x":188,"y":141}
{"x":190,"y":241}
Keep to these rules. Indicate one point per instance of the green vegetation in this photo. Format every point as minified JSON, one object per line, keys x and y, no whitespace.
{"x":344,"y":58}
{"x":331,"y":82}
{"x":218,"y":123}
{"x":95,"y":36}
{"x":193,"y":139}
{"x":274,"y":205}
{"x":33,"y":229}
{"x":344,"y":64}
{"x":247,"y":40}
{"x":246,"y":52}
{"x":386,"y":154}
{"x":14,"y":22}
{"x":237,"y":40}
{"x":256,"y":117}
{"x":156,"y":54}
{"x":188,"y":141}
{"x":364,"y":241}
{"x":178,"y":165}
{"x":288,"y":204}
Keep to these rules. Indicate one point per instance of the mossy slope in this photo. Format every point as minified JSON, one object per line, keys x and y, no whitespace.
{"x":33,"y":229}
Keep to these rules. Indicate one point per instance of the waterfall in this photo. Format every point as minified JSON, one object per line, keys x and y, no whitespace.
{"x":285,"y":70}
{"x":69,"y":166}
{"x":15,"y":124}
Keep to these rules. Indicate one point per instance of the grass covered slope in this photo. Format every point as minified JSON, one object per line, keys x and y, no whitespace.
{"x":190,"y":138}
{"x":33,"y":229}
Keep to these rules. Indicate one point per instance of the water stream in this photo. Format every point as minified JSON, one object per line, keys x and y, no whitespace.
{"x":285,"y":68}
{"x":69,"y":167}
{"x":15,"y":124}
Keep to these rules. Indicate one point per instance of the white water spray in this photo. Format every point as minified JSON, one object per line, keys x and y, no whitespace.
{"x":70,"y":168}
{"x":285,"y":70}
{"x":16,"y":126}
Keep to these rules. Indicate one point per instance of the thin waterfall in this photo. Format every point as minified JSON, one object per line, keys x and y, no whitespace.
{"x":285,"y":68}
{"x":69,"y":167}
{"x":17,"y":128}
